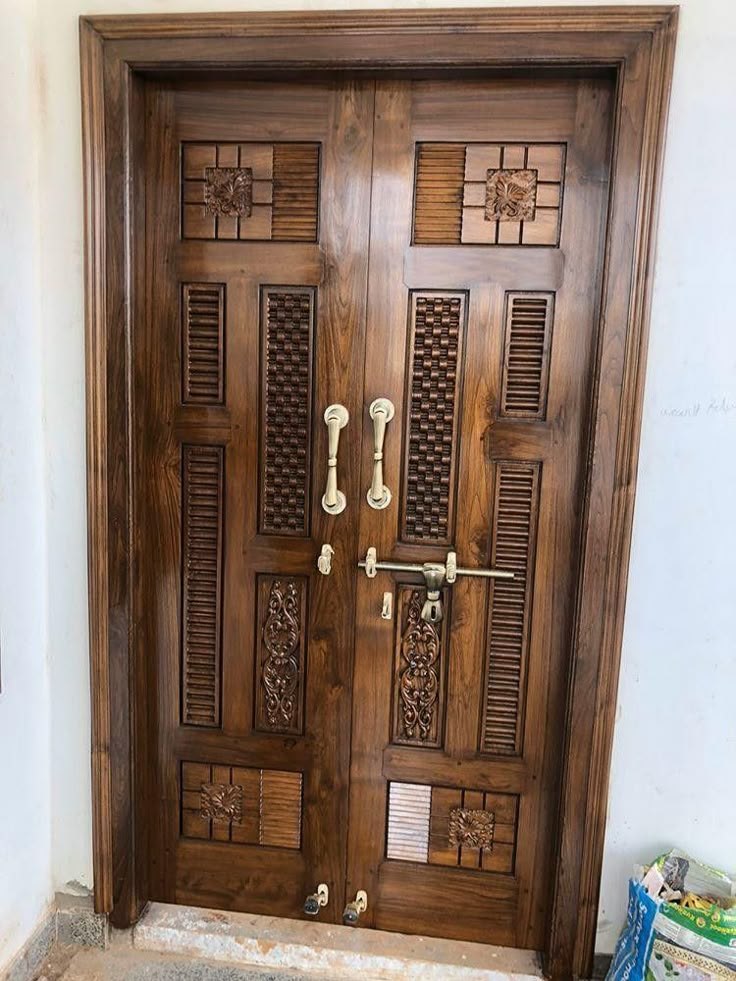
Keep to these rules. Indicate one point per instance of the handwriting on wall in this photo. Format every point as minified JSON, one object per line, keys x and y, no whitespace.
{"x":720,"y":405}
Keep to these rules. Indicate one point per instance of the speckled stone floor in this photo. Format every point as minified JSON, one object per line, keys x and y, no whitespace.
{"x":121,"y":962}
{"x":180,"y":943}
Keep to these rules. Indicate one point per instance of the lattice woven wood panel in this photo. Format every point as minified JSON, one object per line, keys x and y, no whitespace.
{"x":288,"y":335}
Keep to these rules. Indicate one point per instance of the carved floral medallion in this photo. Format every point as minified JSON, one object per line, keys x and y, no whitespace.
{"x":280,"y":672}
{"x":511,"y":195}
{"x":418,"y":679}
{"x":228,"y":191}
{"x":222,"y":802}
{"x":471,"y":829}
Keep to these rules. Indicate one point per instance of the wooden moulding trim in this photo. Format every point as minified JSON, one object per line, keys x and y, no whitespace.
{"x":651,"y":32}
{"x":629,"y":433}
{"x":93,"y":150}
{"x":495,"y":20}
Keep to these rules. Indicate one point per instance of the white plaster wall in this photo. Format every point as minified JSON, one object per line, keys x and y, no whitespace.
{"x":675,"y":733}
{"x":25,"y":798}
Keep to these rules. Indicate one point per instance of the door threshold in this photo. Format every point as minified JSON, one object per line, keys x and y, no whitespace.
{"x":324,"y":949}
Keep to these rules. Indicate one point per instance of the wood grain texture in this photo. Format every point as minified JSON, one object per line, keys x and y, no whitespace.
{"x":637,"y":43}
{"x":286,"y":631}
{"x":610,"y":503}
{"x":447,"y":391}
{"x":99,"y":551}
{"x":640,"y":19}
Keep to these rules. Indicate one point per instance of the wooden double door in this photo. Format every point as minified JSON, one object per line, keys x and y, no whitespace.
{"x":311,"y":245}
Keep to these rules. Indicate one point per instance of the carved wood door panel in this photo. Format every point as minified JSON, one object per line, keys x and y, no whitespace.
{"x":252,"y":323}
{"x":436,"y":244}
{"x":488,"y":212}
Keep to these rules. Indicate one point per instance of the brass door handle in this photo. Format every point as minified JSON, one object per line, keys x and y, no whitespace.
{"x":381,"y":412}
{"x":336,"y":418}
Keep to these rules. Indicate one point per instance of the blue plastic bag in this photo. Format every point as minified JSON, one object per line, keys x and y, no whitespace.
{"x":634,"y":946}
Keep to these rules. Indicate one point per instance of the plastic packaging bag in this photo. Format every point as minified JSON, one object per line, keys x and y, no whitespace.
{"x":680,"y":924}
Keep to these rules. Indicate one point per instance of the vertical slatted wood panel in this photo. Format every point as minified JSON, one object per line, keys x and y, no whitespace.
{"x":203,"y":316}
{"x":438,"y":205}
{"x":527,"y":344}
{"x":295,"y":192}
{"x":409,"y":807}
{"x":515,"y":519}
{"x":281,"y":809}
{"x":202,"y":497}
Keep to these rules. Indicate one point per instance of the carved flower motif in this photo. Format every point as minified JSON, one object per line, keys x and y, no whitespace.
{"x":228,"y":191}
{"x":471,"y":829}
{"x":511,"y":195}
{"x":222,"y":802}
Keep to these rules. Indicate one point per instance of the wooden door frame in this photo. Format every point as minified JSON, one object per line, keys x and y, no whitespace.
{"x":117,"y":52}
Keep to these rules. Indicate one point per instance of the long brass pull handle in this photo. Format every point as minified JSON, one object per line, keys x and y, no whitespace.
{"x":381,"y":412}
{"x":336,"y":418}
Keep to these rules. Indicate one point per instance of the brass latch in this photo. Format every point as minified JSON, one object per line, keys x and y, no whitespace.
{"x":436,"y":575}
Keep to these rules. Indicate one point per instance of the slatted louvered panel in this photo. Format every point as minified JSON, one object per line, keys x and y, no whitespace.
{"x":409,"y":809}
{"x":202,"y":495}
{"x":529,"y":318}
{"x":514,"y":533}
{"x":438,"y":206}
{"x":281,"y":809}
{"x":203,"y":315}
{"x":295,"y":192}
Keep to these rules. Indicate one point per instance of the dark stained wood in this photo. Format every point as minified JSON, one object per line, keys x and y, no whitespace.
{"x":502,"y":490}
{"x":234,"y":508}
{"x":637,"y":43}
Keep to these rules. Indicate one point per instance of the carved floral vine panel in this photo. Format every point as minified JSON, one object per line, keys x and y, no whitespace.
{"x":419,"y":673}
{"x":282,"y":616}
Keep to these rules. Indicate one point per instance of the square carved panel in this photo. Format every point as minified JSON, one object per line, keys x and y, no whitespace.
{"x":241,"y":805}
{"x":228,"y":191}
{"x":488,"y":193}
{"x":471,"y":829}
{"x":452,"y":827}
{"x":511,"y":195}
{"x":250,"y":191}
{"x":222,"y":802}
